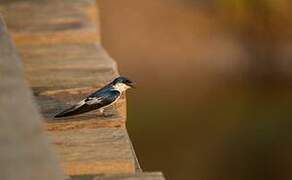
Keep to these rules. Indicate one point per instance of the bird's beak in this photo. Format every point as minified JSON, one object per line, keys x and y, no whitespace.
{"x":132,"y":85}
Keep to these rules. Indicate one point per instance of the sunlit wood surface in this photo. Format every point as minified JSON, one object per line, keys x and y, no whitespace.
{"x":59,"y":44}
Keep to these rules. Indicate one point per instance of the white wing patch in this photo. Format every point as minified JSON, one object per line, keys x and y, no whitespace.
{"x":81,"y":103}
{"x":93,"y":100}
{"x":88,"y":101}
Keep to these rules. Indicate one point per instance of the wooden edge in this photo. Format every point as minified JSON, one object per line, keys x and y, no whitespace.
{"x":138,"y":168}
{"x":137,"y":176}
{"x":107,"y":168}
{"x":55,"y":38}
{"x":88,"y":123}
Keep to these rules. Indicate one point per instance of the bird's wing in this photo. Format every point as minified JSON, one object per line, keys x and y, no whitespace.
{"x":92,"y":102}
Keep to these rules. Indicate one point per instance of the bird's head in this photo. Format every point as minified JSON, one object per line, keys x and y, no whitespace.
{"x":122,"y":83}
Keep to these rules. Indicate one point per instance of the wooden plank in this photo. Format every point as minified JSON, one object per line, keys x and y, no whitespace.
{"x":103,"y":150}
{"x":65,"y":66}
{"x":59,"y":43}
{"x":24,"y":152}
{"x":137,"y":176}
{"x":62,"y":72}
{"x":62,"y":75}
{"x":51,"y":21}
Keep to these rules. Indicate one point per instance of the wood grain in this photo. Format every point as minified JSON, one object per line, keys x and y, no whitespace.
{"x":137,"y":176}
{"x":25,"y":152}
{"x":104,"y":150}
{"x":55,"y":62}
{"x":51,"y":21}
{"x":59,"y":44}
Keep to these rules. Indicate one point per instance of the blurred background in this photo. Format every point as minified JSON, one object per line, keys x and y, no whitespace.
{"x":214,"y":97}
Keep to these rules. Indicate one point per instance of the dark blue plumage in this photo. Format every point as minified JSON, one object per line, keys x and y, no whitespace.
{"x":101,"y":98}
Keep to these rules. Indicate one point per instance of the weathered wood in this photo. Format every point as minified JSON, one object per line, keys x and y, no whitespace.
{"x":62,"y":75}
{"x":137,"y":176}
{"x":57,"y":70}
{"x":24,"y":150}
{"x":59,"y":43}
{"x":51,"y":21}
{"x":104,"y":150}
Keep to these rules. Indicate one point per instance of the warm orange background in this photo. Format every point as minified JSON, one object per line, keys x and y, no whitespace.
{"x":214,"y":94}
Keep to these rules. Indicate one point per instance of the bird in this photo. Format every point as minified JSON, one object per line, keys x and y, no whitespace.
{"x":100,"y":99}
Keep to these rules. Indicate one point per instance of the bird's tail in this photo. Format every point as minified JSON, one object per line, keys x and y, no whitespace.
{"x":67,"y":112}
{"x":74,"y":110}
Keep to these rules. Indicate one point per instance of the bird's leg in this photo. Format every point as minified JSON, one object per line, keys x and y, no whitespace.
{"x":108,"y":111}
{"x":101,"y":111}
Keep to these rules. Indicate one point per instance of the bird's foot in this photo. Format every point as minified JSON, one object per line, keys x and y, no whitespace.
{"x":106,"y":113}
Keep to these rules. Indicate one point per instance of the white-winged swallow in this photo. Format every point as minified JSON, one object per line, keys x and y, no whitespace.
{"x":100,"y":99}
